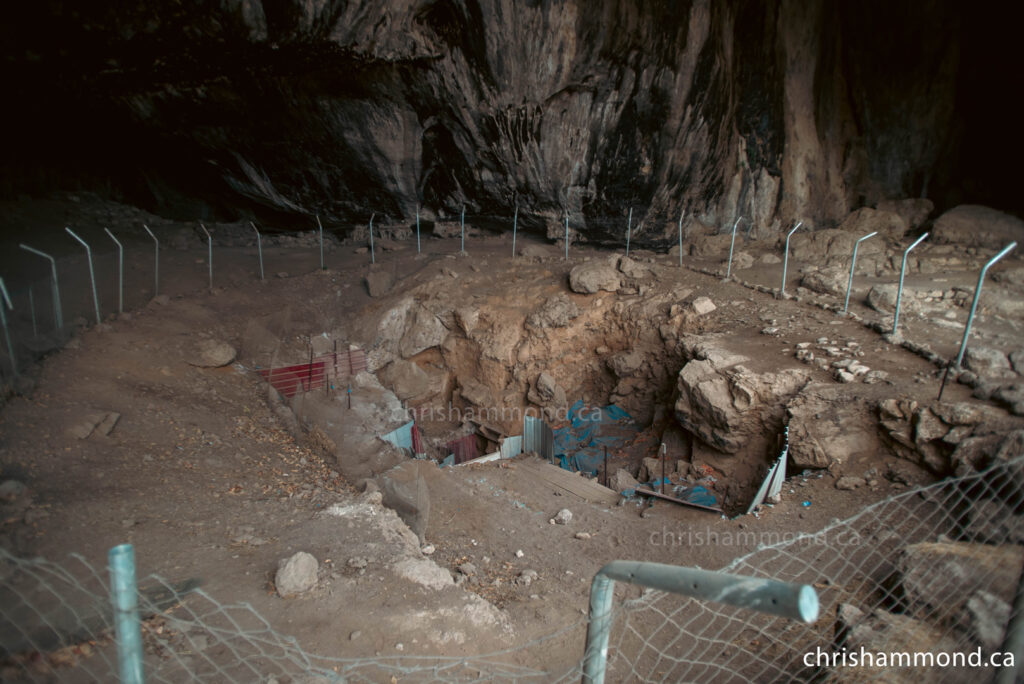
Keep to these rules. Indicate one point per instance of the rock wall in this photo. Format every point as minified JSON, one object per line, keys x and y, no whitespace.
{"x":778,"y":110}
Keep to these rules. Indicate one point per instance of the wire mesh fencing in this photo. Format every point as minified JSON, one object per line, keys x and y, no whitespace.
{"x":924,"y":582}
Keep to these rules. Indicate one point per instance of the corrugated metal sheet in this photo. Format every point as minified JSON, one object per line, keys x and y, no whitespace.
{"x":333,"y":368}
{"x":538,"y":437}
{"x":401,"y":437}
{"x":464,"y":449}
{"x":512,"y":446}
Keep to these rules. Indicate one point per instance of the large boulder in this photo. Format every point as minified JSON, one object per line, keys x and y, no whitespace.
{"x":593,"y":276}
{"x":977,"y":226}
{"x":379,"y":283}
{"x":423,"y":330}
{"x":212,"y":354}
{"x":720,"y":398}
{"x":882,"y":298}
{"x":943,"y":575}
{"x":913,"y":210}
{"x":546,"y":392}
{"x":827,"y":426}
{"x":626,"y":364}
{"x":830,"y":280}
{"x":889,"y":224}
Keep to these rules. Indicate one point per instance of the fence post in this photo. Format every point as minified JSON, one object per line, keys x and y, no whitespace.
{"x":32,"y":311}
{"x":126,"y":613}
{"x":681,"y":239}
{"x":977,"y":293}
{"x":57,"y":315}
{"x":566,"y":237}
{"x":259,"y":246}
{"x":373,"y":257}
{"x":853,"y":263}
{"x":120,"y":271}
{"x":5,"y":304}
{"x":732,"y":244}
{"x":899,"y":292}
{"x":515,"y":225}
{"x":92,"y":273}
{"x":462,"y":221}
{"x":156,"y":262}
{"x":209,"y":253}
{"x":417,"y":230}
{"x":629,"y":229}
{"x":785,"y":260}
{"x":321,"y":227}
{"x":794,"y":601}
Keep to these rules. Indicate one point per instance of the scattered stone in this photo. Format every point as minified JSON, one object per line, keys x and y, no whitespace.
{"x":557,"y":312}
{"x":850,"y":483}
{"x":623,"y":481}
{"x":830,"y":281}
{"x":632,"y":269}
{"x":563,"y":517}
{"x":212,"y":354}
{"x":626,"y":364}
{"x":357,"y":562}
{"x":11,"y":490}
{"x":527,"y":577}
{"x":944,"y":575}
{"x":519,"y":553}
{"x":355,"y":635}
{"x":987,"y":616}
{"x":882,"y":298}
{"x":702,"y":306}
{"x":582,"y":535}
{"x":546,"y":392}
{"x":427,"y":550}
{"x":986,"y":361}
{"x":296,"y":575}
{"x":467,"y":569}
{"x":379,"y":283}
{"x":594,"y":276}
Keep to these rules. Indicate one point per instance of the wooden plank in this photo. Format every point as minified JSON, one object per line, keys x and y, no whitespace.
{"x":569,"y":482}
{"x":666,"y":497}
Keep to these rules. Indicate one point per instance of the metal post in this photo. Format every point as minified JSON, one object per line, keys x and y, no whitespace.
{"x":156,"y":262}
{"x":463,"y":223}
{"x":57,"y":315}
{"x":681,"y":239}
{"x":664,"y":454}
{"x":899,"y":292}
{"x":629,"y":229}
{"x":606,"y":466}
{"x":732,"y":244}
{"x":373,"y":258}
{"x":127,"y":627}
{"x":321,"y":226}
{"x":120,"y":271}
{"x":6,"y":304}
{"x":209,"y":253}
{"x":259,"y":246}
{"x":32,"y":310}
{"x":853,"y":263}
{"x":977,"y":293}
{"x":785,"y":260}
{"x":793,"y":601}
{"x":417,"y":230}
{"x":92,"y":273}
{"x":515,"y":225}
{"x":566,"y":237}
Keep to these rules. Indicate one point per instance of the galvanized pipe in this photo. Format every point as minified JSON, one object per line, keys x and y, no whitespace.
{"x":120,"y":271}
{"x":732,"y":244}
{"x":156,"y":262}
{"x":681,"y":239}
{"x":899,"y":292}
{"x":4,"y":305}
{"x":259,"y":246}
{"x":373,"y":258}
{"x":785,"y":260}
{"x":566,"y":237}
{"x":515,"y":225}
{"x":57,"y":315}
{"x":977,"y":293}
{"x":418,"y":231}
{"x":209,"y":253}
{"x":321,"y":227}
{"x":793,"y":601}
{"x":629,"y":229}
{"x":32,"y":311}
{"x":92,"y":273}
{"x":853,"y":263}
{"x":463,"y":223}
{"x":127,"y":627}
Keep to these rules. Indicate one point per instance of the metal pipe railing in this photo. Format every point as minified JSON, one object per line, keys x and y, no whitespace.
{"x":899,"y":292}
{"x":57,"y":314}
{"x":156,"y":262}
{"x":853,"y":264}
{"x":732,"y":245}
{"x":127,"y":628}
{"x":785,"y":260}
{"x":92,"y":273}
{"x":5,"y":303}
{"x":794,"y":601}
{"x":977,"y":293}
{"x":120,"y":272}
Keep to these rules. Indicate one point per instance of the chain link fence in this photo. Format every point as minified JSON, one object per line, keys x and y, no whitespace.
{"x":923,"y":579}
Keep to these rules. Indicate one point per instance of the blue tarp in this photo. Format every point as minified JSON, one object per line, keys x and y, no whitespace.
{"x":580,"y":445}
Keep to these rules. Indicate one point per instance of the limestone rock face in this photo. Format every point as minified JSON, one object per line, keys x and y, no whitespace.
{"x":720,"y":397}
{"x":826,"y":427}
{"x":978,"y":226}
{"x":777,"y":111}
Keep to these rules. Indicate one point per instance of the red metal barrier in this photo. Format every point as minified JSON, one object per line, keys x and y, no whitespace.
{"x":332,"y":369}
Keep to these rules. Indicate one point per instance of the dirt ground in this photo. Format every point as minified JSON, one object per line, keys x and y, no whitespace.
{"x":203,"y":477}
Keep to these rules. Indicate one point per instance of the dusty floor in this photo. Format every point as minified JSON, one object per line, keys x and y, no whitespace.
{"x":202,"y":477}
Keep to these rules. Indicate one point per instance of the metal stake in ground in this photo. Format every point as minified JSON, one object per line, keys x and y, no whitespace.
{"x":156,"y":262}
{"x":606,"y":466}
{"x":629,"y":229}
{"x":463,"y":223}
{"x":124,"y":595}
{"x":664,"y":454}
{"x":732,"y":244}
{"x":373,"y":258}
{"x":209,"y":253}
{"x":6,"y":304}
{"x":32,"y":311}
{"x":785,"y":260}
{"x":321,"y":226}
{"x":853,"y":263}
{"x":417,"y":230}
{"x":899,"y":292}
{"x":681,"y":239}
{"x":977,"y":293}
{"x":120,"y":271}
{"x":92,"y":273}
{"x":57,"y":315}
{"x":566,"y":237}
{"x":259,"y":246}
{"x":515,"y":225}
